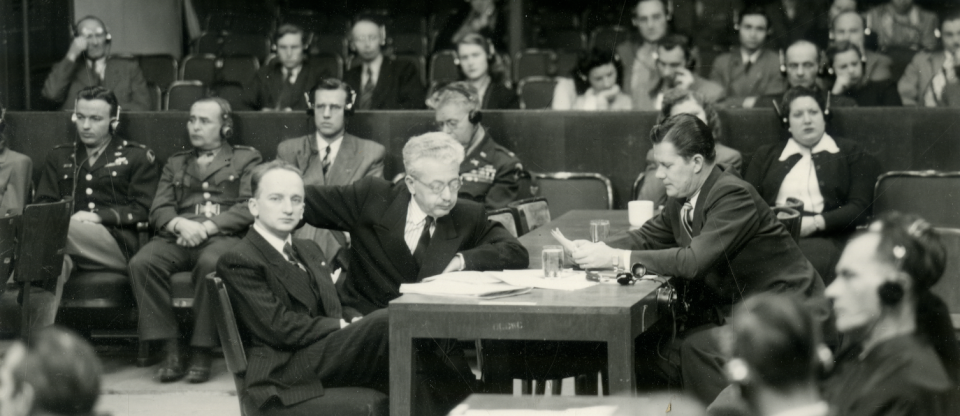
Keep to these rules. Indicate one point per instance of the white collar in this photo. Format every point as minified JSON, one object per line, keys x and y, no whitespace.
{"x":274,"y":242}
{"x":334,"y":144}
{"x":815,"y":409}
{"x":826,"y":144}
{"x":415,"y":215}
{"x":751,"y":58}
{"x":374,"y":65}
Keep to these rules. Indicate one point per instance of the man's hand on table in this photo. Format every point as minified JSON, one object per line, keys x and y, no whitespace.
{"x":597,"y":255}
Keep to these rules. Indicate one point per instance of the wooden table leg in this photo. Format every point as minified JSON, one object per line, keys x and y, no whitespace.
{"x":402,"y":373}
{"x":620,"y":365}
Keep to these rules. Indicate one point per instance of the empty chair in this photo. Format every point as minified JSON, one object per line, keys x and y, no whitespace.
{"x":536,"y":92}
{"x":248,"y":23}
{"x":412,"y":43}
{"x":934,"y":195}
{"x":637,"y":186}
{"x":574,"y":190}
{"x":156,"y":97}
{"x":330,"y":61}
{"x":566,"y":62}
{"x":208,"y":42}
{"x":534,"y":212}
{"x":161,"y":70}
{"x":43,"y":238}
{"x":183,"y":94}
{"x":443,"y":67}
{"x":508,"y":217}
{"x":238,"y":69}
{"x":329,"y":43}
{"x":948,"y":288}
{"x":233,"y":93}
{"x":408,"y":24}
{"x":201,"y":68}
{"x":569,"y":39}
{"x":246,"y":44}
{"x":417,"y":60}
{"x":535,"y":63}
{"x":607,"y":37}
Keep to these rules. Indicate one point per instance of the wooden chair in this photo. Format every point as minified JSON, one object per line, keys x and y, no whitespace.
{"x":183,"y":94}
{"x":534,"y":212}
{"x":948,"y":288}
{"x":575,"y":190}
{"x":335,"y":400}
{"x":43,"y":238}
{"x":536,"y":92}
{"x":508,"y":217}
{"x":200,"y":67}
{"x":933,"y":195}
{"x":638,"y":185}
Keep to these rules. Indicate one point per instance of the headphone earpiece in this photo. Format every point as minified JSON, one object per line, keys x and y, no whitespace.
{"x":783,"y":64}
{"x":115,"y":123}
{"x":890,"y":293}
{"x":383,"y":35}
{"x":475,"y":117}
{"x":226,"y":128}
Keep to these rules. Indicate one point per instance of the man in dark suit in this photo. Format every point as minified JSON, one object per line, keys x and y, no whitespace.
{"x":300,"y":342}
{"x":804,"y":64}
{"x":750,"y":69}
{"x":382,"y":82}
{"x":199,"y":211}
{"x":674,"y":61}
{"x":280,"y":85}
{"x":717,"y":237}
{"x":331,"y":156}
{"x":88,"y":64}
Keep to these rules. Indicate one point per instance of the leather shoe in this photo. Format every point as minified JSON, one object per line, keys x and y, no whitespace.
{"x":171,"y":369}
{"x":199,"y":366}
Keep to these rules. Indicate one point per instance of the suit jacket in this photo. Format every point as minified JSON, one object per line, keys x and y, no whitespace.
{"x":653,"y":189}
{"x":499,"y":97}
{"x":878,"y":67}
{"x":711,"y":92}
{"x":398,"y":85}
{"x":764,"y":77}
{"x":280,"y":315}
{"x":122,"y":76}
{"x":810,"y":23}
{"x":375,"y":212}
{"x":738,"y":247}
{"x":640,"y":74}
{"x":357,"y":158}
{"x":225,"y":183}
{"x":875,"y":94}
{"x":846,"y":181}
{"x":266,"y":90}
{"x":490,"y":174}
{"x":16,"y":183}
{"x":916,"y":78}
{"x":919,"y":33}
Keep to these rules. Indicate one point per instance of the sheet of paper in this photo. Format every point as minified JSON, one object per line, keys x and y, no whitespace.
{"x":464,"y":410}
{"x":454,"y":288}
{"x":569,"y":279}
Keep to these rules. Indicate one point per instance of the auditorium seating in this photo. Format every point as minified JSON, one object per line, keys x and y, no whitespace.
{"x":201,"y":68}
{"x":183,"y":94}
{"x":934,"y":195}
{"x":161,"y":70}
{"x":607,"y":37}
{"x":536,"y":92}
{"x":535,"y":62}
{"x":507,"y":216}
{"x":567,"y":191}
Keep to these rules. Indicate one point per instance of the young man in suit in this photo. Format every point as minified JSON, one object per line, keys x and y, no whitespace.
{"x":749,"y":70}
{"x":850,"y":27}
{"x":381,"y":82}
{"x":651,"y":17}
{"x":717,"y":237}
{"x":280,"y":85}
{"x":88,"y":64}
{"x":331,"y":156}
{"x":675,"y":70}
{"x":300,"y":340}
{"x":199,"y":214}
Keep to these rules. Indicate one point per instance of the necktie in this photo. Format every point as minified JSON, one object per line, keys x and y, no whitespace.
{"x":424,"y":241}
{"x":204,"y":160}
{"x":366,"y":95}
{"x":326,"y":160}
{"x":686,"y":218}
{"x":292,"y":256}
{"x":746,"y":66}
{"x":290,"y":79}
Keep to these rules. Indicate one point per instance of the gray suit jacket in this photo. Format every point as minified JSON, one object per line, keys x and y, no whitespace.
{"x":122,"y":76}
{"x":357,"y":158}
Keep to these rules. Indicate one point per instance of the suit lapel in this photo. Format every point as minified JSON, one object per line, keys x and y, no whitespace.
{"x":702,"y":200}
{"x":378,"y":95}
{"x":345,"y":163}
{"x":221,"y":160}
{"x":443,"y":246}
{"x":283,"y":270}
{"x":318,"y":271}
{"x":390,"y":232}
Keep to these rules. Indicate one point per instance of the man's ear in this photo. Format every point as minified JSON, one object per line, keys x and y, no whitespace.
{"x":698,"y":162}
{"x":254,"y":208}
{"x":407,"y":180}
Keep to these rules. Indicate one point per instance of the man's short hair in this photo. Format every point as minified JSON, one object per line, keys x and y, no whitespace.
{"x":100,"y":93}
{"x":438,"y":146}
{"x":675,"y":40}
{"x":662,"y":3}
{"x":332,"y":84}
{"x":689,"y":135}
{"x":755,"y":11}
{"x":226,"y":111}
{"x":950,"y":17}
{"x":801,"y":42}
{"x":366,"y":17}
{"x":262,"y":169}
{"x":76,"y":26}
{"x":833,"y":23}
{"x":288,"y":29}
{"x":459,"y":92}
{"x":841,"y":47}
{"x":63,"y":370}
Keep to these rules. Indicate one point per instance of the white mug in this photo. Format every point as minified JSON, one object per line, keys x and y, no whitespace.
{"x":639,"y":212}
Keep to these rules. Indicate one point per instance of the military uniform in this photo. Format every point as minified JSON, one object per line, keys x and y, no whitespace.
{"x":218,"y":194}
{"x":490,"y":174}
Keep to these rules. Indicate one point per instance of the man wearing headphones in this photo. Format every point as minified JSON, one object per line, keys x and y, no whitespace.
{"x":802,"y":65}
{"x":847,"y":65}
{"x":749,"y":70}
{"x":902,"y":24}
{"x":16,"y":173}
{"x":931,"y":77}
{"x":331,"y":156}
{"x":87,"y":64}
{"x":640,"y":74}
{"x":198,"y":212}
{"x":280,"y":85}
{"x":381,"y":82}
{"x":490,"y":173}
{"x":112,"y":182}
{"x":674,"y":59}
{"x":850,"y":27}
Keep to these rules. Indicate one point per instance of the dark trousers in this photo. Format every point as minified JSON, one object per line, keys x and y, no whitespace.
{"x":693,"y":360}
{"x":150,"y":271}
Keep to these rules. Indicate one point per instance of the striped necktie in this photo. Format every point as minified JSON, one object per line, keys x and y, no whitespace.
{"x":325,"y":163}
{"x":686,"y":218}
{"x":366,"y":94}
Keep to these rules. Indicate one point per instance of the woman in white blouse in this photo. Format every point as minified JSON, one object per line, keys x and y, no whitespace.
{"x":595,"y":85}
{"x":833,"y":177}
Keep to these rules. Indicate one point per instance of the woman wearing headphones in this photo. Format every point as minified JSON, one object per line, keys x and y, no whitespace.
{"x":833,"y":177}
{"x":900,"y":355}
{"x":598,"y":78}
{"x":480,"y":66}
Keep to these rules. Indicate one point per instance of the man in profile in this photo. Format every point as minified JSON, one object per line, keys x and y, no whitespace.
{"x":381,"y":82}
{"x":930,"y":79}
{"x":280,"y":85}
{"x":57,"y":373}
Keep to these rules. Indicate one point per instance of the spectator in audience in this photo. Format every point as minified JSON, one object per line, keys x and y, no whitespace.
{"x":300,"y":341}
{"x":850,"y":27}
{"x":839,"y":7}
{"x":595,"y":85}
{"x":392,"y":228}
{"x":478,"y":17}
{"x":708,"y":22}
{"x":489,"y":173}
{"x":382,"y":82}
{"x":750,"y":70}
{"x":732,"y":247}
{"x":793,"y":20}
{"x":931,"y":74}
{"x":88,"y":64}
{"x":677,"y":101}
{"x":900,"y":354}
{"x":281,"y":84}
{"x":112,"y":182}
{"x":481,"y":67}
{"x":675,"y":70}
{"x":847,"y":65}
{"x":199,"y":214}
{"x":16,"y":173}
{"x":640,"y":74}
{"x":56,"y":373}
{"x":834,"y":179}
{"x":331,"y":156}
{"x":902,"y":24}
{"x":802,"y":66}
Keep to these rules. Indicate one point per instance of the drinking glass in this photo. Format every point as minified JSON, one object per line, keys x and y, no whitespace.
{"x":552,"y":261}
{"x":599,"y":230}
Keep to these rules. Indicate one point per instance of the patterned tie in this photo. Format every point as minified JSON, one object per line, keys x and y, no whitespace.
{"x":424,"y":241}
{"x":292,"y":256}
{"x":326,"y":160}
{"x":746,"y":66}
{"x":686,"y":217}
{"x":204,"y":160}
{"x":366,"y":95}
{"x":290,"y":79}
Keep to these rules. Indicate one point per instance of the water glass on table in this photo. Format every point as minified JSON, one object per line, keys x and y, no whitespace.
{"x":552,"y":257}
{"x":599,"y":230}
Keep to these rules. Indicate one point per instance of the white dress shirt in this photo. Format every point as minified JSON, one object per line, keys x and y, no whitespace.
{"x":625,"y":254}
{"x":374,"y":67}
{"x":817,"y":409}
{"x":334,"y":147}
{"x":416,"y":219}
{"x":751,"y":58}
{"x":296,"y":72}
{"x":99,"y":66}
{"x":274,"y":242}
{"x":801,"y":182}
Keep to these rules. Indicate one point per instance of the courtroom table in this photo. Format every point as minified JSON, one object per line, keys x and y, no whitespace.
{"x":607,"y":313}
{"x":625,"y":406}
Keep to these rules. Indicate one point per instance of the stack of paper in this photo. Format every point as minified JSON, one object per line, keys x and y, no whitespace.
{"x":445,"y":287}
{"x":490,"y":285}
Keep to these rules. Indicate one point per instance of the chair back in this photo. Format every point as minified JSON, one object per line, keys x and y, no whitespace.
{"x":566,"y":62}
{"x":208,"y":43}
{"x":508,"y":217}
{"x":237,"y":68}
{"x":536,"y":92}
{"x":156,"y":96}
{"x":443,"y":68}
{"x":607,"y":37}
{"x":201,"y":68}
{"x":159,"y":69}
{"x":233,"y":93}
{"x":791,"y":219}
{"x":948,"y":288}
{"x":569,"y":39}
{"x":332,"y":63}
{"x":417,"y":60}
{"x":330,"y":43}
{"x":638,"y":185}
{"x":575,"y":190}
{"x":246,"y":44}
{"x":183,"y":94}
{"x":535,"y":63}
{"x":933,"y":195}
{"x":412,"y":43}
{"x":9,"y":237}
{"x":534,"y":212}
{"x":227,"y":328}
{"x":41,"y":249}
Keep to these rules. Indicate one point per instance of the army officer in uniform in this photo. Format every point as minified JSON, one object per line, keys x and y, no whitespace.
{"x":198,"y":212}
{"x":489,"y":172}
{"x":112,"y":182}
